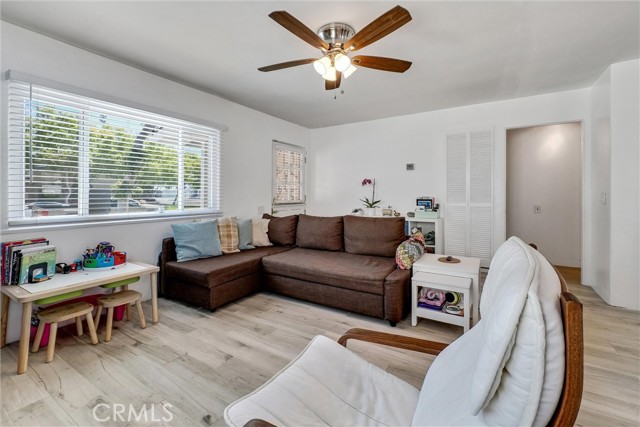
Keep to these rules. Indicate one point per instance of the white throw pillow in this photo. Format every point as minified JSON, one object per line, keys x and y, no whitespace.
{"x":259,"y":229}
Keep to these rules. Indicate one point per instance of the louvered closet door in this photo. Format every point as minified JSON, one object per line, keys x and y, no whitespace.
{"x":469,"y":209}
{"x":455,"y":221}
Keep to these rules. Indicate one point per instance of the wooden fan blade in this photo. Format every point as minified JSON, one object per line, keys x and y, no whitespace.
{"x":380,"y":27}
{"x":298,"y":28}
{"x":330,"y":85}
{"x":287,"y":64}
{"x":381,"y":63}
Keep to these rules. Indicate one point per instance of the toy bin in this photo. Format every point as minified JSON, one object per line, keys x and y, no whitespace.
{"x":120,"y":258}
{"x":99,"y":262}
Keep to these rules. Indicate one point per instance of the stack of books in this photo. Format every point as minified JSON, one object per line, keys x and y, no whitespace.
{"x":27,"y":261}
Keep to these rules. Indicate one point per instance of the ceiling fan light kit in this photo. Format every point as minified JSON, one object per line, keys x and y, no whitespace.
{"x":336,"y":40}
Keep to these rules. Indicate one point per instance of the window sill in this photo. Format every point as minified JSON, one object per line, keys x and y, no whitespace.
{"x":42,"y":227}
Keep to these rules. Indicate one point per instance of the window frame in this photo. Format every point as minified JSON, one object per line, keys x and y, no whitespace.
{"x":284,"y":146}
{"x":212,"y":161}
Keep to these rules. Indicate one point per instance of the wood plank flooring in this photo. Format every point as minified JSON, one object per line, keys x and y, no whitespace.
{"x":193,"y":363}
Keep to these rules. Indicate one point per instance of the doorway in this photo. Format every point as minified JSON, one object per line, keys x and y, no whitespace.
{"x":544,"y":190}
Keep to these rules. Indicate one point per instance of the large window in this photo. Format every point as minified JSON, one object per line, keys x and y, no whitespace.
{"x":288,"y":174}
{"x":74,"y":158}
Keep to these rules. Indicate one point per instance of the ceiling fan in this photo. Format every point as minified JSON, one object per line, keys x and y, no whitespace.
{"x":336,"y":40}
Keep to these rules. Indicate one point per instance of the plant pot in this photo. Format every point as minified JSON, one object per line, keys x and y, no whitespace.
{"x":370,"y":211}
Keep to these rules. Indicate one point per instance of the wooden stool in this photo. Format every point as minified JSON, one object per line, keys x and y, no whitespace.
{"x":60,"y":314}
{"x":110,"y":301}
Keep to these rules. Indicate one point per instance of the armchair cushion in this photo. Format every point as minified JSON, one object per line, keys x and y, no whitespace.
{"x":502,"y":361}
{"x":328,"y":385}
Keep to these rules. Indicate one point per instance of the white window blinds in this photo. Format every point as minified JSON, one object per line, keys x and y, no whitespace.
{"x":74,"y":158}
{"x":288,"y":174}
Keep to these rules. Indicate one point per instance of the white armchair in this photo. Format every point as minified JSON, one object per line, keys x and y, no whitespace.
{"x":510,"y":369}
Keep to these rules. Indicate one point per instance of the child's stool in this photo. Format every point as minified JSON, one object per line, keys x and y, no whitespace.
{"x":59,"y":314}
{"x":124,"y":284}
{"x":110,"y":301}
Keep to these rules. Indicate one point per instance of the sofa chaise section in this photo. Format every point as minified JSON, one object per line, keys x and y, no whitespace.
{"x":212,"y":282}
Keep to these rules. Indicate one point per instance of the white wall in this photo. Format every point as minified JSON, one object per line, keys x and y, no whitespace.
{"x":613,"y":160}
{"x":246,"y":163}
{"x":544,"y":166}
{"x":598,"y":171}
{"x":342,"y":156}
{"x":625,"y":192}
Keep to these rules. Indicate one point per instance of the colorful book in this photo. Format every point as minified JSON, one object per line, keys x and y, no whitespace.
{"x":6,"y":255}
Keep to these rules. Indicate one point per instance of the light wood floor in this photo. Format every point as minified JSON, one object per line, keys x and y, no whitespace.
{"x":195,"y":362}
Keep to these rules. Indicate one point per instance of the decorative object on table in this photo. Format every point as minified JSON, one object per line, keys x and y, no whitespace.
{"x":103,"y":256}
{"x":396,"y":213}
{"x":357,"y":211}
{"x":387,"y":211}
{"x":430,"y":238}
{"x":372,"y":203}
{"x":452,"y":298}
{"x":63,"y":268}
{"x":431,"y":298}
{"x":454,"y":309}
{"x":426,"y":207}
{"x":449,"y":260}
{"x":410,"y":250}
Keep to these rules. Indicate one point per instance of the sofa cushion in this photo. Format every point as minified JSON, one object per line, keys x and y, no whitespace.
{"x":245,"y":234}
{"x":343,"y":270}
{"x":212,"y":272}
{"x":228,"y":231}
{"x":282,"y":230}
{"x":328,"y":385}
{"x":315,"y":232}
{"x":373,"y":236}
{"x":196,"y":240}
{"x":259,"y":228}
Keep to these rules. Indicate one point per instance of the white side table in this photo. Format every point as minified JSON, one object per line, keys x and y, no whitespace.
{"x":467,"y":267}
{"x":461,"y":285}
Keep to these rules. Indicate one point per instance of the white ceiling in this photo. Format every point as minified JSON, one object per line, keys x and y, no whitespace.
{"x":462,"y":52}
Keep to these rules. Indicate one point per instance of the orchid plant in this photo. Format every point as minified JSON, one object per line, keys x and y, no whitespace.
{"x":370,"y":203}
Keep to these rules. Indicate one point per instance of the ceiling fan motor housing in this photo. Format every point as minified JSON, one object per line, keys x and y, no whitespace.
{"x":336,"y":33}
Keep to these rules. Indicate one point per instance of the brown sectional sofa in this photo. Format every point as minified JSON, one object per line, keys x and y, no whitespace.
{"x":343,"y":262}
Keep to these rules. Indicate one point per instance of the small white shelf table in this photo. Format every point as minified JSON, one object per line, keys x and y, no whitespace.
{"x":428,"y":224}
{"x":461,"y":285}
{"x":467,"y":267}
{"x":61,"y":284}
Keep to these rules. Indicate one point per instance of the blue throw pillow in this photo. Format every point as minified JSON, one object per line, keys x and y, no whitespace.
{"x":196,"y":240}
{"x":245,"y":234}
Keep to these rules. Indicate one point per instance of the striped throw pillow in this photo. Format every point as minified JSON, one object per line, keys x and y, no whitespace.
{"x":228,"y":231}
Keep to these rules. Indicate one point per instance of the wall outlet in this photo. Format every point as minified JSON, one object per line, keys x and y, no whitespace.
{"x":260,"y":210}
{"x":537,"y":209}
{"x":603,"y":198}
{"x":409,"y":166}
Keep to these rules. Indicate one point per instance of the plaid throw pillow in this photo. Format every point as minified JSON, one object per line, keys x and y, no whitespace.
{"x":228,"y":231}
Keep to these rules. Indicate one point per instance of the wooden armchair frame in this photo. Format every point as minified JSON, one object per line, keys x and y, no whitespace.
{"x":569,"y":404}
